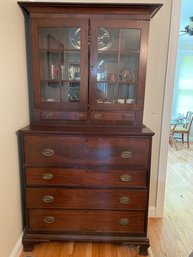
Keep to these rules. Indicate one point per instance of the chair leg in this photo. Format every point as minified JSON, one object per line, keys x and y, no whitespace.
{"x":188,"y":140}
{"x":182,"y":138}
{"x":172,"y":141}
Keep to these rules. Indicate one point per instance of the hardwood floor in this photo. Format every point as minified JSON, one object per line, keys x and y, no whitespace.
{"x":78,"y":249}
{"x":171,"y":236}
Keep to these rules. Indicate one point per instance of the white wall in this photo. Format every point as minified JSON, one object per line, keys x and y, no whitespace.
{"x":13,"y":115}
{"x":14,"y":106}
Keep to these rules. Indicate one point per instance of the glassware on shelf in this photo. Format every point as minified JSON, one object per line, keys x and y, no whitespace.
{"x":74,"y":92}
{"x":74,"y":72}
{"x":53,"y":71}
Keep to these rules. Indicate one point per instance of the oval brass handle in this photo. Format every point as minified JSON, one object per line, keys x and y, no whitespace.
{"x":124,"y":200}
{"x":47,"y":198}
{"x":123,"y":221}
{"x":49,"y":115}
{"x":127,"y":116}
{"x":79,"y":115}
{"x":49,"y":219}
{"x":126,"y":154}
{"x":48,"y":152}
{"x":47,"y":176}
{"x":125,"y":178}
{"x":98,"y":116}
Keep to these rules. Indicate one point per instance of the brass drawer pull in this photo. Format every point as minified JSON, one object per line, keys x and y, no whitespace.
{"x":49,"y":219}
{"x":79,"y":115}
{"x":127,"y":116}
{"x":47,"y":198}
{"x":49,"y":115}
{"x":126,"y":154}
{"x":48,"y":152}
{"x":98,"y":116}
{"x":125,"y":178}
{"x":47,"y":176}
{"x":123,"y":221}
{"x":124,"y":200}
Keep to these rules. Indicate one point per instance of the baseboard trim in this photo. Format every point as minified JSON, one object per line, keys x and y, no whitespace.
{"x":18,"y":248}
{"x":152,"y":212}
{"x":150,"y":252}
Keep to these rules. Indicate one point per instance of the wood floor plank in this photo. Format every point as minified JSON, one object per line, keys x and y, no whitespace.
{"x":82,"y":249}
{"x":172,"y":236}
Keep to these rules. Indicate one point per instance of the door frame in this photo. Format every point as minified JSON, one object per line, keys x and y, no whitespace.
{"x":167,"y":106}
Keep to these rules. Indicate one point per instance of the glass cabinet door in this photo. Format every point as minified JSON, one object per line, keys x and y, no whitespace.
{"x":115,"y":81}
{"x":60,"y":55}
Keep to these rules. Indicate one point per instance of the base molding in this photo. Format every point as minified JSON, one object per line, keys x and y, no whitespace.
{"x":150,"y":252}
{"x":18,"y":248}
{"x":152,"y":212}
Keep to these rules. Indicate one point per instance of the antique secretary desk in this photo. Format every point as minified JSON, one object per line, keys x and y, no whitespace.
{"x":85,"y":157}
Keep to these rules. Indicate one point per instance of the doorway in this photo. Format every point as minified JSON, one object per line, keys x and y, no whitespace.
{"x":179,"y":8}
{"x":169,"y":82}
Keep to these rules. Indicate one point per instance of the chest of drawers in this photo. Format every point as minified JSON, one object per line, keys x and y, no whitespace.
{"x":82,"y":183}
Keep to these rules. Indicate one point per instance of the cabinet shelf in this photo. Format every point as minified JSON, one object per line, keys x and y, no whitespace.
{"x":125,"y":83}
{"x":52,"y":50}
{"x":57,"y":81}
{"x":108,"y":52}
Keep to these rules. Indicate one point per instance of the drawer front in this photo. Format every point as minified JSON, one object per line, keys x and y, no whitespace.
{"x":54,"y":150}
{"x":116,"y":116}
{"x":92,"y":151}
{"x":50,"y":115}
{"x":86,"y":199}
{"x":87,"y":221}
{"x":82,"y":177}
{"x":118,"y":151}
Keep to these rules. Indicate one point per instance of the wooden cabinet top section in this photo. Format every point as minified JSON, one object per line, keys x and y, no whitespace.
{"x":139,"y":11}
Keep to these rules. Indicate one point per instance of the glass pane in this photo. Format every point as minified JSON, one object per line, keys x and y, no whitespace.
{"x":70,"y":66}
{"x":107,"y":39}
{"x":70,"y":37}
{"x":49,"y":38}
{"x":59,"y":55}
{"x":60,"y":37}
{"x":107,"y":67}
{"x":49,"y":65}
{"x":129,"y":67}
{"x":105,"y":93}
{"x":117,"y":65}
{"x":71,"y":92}
{"x":50,"y":92}
{"x":117,"y":93}
{"x":130,"y":39}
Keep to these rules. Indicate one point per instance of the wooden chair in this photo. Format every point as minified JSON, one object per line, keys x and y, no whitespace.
{"x":185,"y":128}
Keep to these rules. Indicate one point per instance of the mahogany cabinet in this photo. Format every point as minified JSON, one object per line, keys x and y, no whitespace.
{"x":86,"y":155}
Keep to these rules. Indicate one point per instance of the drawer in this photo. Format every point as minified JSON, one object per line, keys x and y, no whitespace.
{"x":118,"y":151}
{"x":92,"y":151}
{"x":54,"y":150}
{"x":50,"y":115}
{"x":86,"y":177}
{"x":86,"y":198}
{"x":116,"y":116}
{"x":87,"y":221}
